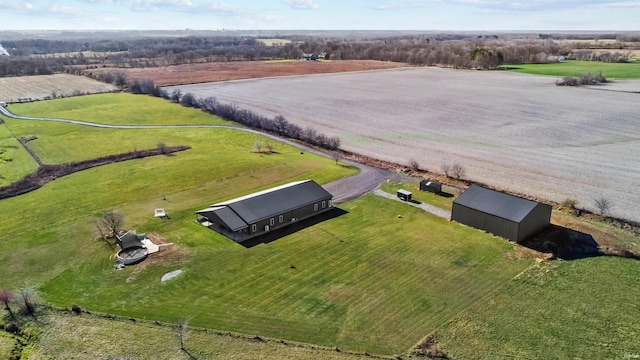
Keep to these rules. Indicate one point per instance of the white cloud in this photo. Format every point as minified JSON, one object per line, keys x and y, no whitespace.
{"x":301,"y":4}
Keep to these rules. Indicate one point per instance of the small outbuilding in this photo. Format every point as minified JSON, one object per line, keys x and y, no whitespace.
{"x":511,"y":217}
{"x":431,"y":186}
{"x":404,"y":195}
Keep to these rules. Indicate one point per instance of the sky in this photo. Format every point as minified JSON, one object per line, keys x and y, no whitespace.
{"x":462,"y":15}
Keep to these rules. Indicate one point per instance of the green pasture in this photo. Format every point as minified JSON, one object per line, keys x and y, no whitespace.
{"x":575,"y":68}
{"x":354,"y":281}
{"x":6,"y":345}
{"x":68,"y":335}
{"x":15,"y":161}
{"x":117,"y":109}
{"x":581,"y":309}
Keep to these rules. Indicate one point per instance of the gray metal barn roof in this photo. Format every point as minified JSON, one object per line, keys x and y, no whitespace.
{"x":503,"y":205}
{"x":225,"y":215}
{"x":240,"y":212}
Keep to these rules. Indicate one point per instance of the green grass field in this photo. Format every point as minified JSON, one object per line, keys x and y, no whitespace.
{"x":365,"y":281}
{"x":575,"y":68}
{"x":15,"y":161}
{"x":583,"y":309}
{"x":357,"y":284}
{"x":118,"y":109}
{"x":67,"y":336}
{"x":6,"y":345}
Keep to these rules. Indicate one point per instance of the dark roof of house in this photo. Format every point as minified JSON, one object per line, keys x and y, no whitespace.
{"x":130,"y":240}
{"x":267,"y":203}
{"x":496,"y":203}
{"x":224,"y":215}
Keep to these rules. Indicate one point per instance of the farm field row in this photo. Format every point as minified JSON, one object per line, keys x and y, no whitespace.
{"x":234,"y":70}
{"x":22,"y":88}
{"x":518,"y":132}
{"x":15,"y":161}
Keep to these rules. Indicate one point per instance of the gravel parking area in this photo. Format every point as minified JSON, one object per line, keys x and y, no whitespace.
{"x":517,"y":132}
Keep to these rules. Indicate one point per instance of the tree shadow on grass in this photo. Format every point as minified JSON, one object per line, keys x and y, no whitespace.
{"x":292,"y":228}
{"x":564,"y":243}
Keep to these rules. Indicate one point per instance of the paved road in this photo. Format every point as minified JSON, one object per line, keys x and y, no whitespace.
{"x":343,"y":189}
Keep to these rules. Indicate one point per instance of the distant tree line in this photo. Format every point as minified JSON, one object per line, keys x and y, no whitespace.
{"x":277,"y":125}
{"x":29,"y":57}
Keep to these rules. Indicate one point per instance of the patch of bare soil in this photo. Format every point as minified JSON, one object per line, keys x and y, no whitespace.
{"x":428,"y":347}
{"x":167,"y":253}
{"x":237,"y":70}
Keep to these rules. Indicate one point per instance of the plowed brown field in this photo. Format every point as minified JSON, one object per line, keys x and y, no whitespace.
{"x":236,"y":70}
{"x":518,"y":132}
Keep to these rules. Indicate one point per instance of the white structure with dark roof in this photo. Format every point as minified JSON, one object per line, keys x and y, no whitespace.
{"x":501,"y":214}
{"x":258,"y":213}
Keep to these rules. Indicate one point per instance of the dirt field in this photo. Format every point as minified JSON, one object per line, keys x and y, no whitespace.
{"x":514,"y":131}
{"x":13,"y":89}
{"x":223,"y":71}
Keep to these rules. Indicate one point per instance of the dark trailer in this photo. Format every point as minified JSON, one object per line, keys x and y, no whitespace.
{"x":501,"y":214}
{"x":431,"y":186}
{"x":404,"y":195}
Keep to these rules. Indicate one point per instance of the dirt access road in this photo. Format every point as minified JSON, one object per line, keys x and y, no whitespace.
{"x":517,"y":132}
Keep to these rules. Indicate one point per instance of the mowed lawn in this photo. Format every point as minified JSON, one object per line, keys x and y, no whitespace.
{"x":581,"y":309}
{"x":117,"y":109}
{"x":367,"y":280}
{"x":15,"y":161}
{"x":576,"y":68}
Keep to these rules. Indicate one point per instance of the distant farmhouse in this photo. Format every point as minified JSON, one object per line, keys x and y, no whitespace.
{"x":258,"y":213}
{"x":501,"y":214}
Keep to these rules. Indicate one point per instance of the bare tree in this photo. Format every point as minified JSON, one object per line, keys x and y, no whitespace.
{"x":270,"y":147}
{"x":281,"y":125}
{"x":110,"y":223}
{"x":162,"y":147}
{"x":336,"y":155}
{"x":258,"y":145}
{"x":28,"y":307}
{"x":604,"y":205}
{"x":414,"y":165}
{"x":446,"y":169}
{"x":457,"y":171}
{"x":175,"y":95}
{"x":6,"y":296}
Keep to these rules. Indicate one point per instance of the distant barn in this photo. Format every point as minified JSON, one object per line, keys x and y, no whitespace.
{"x":258,"y":213}
{"x":501,"y":214}
{"x":431,"y":186}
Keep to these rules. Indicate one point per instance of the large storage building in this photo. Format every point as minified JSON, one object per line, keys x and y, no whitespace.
{"x":258,"y":213}
{"x":501,"y":214}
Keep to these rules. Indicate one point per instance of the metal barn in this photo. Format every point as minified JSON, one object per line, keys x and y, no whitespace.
{"x":431,"y":186}
{"x":258,"y":213}
{"x":501,"y":214}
